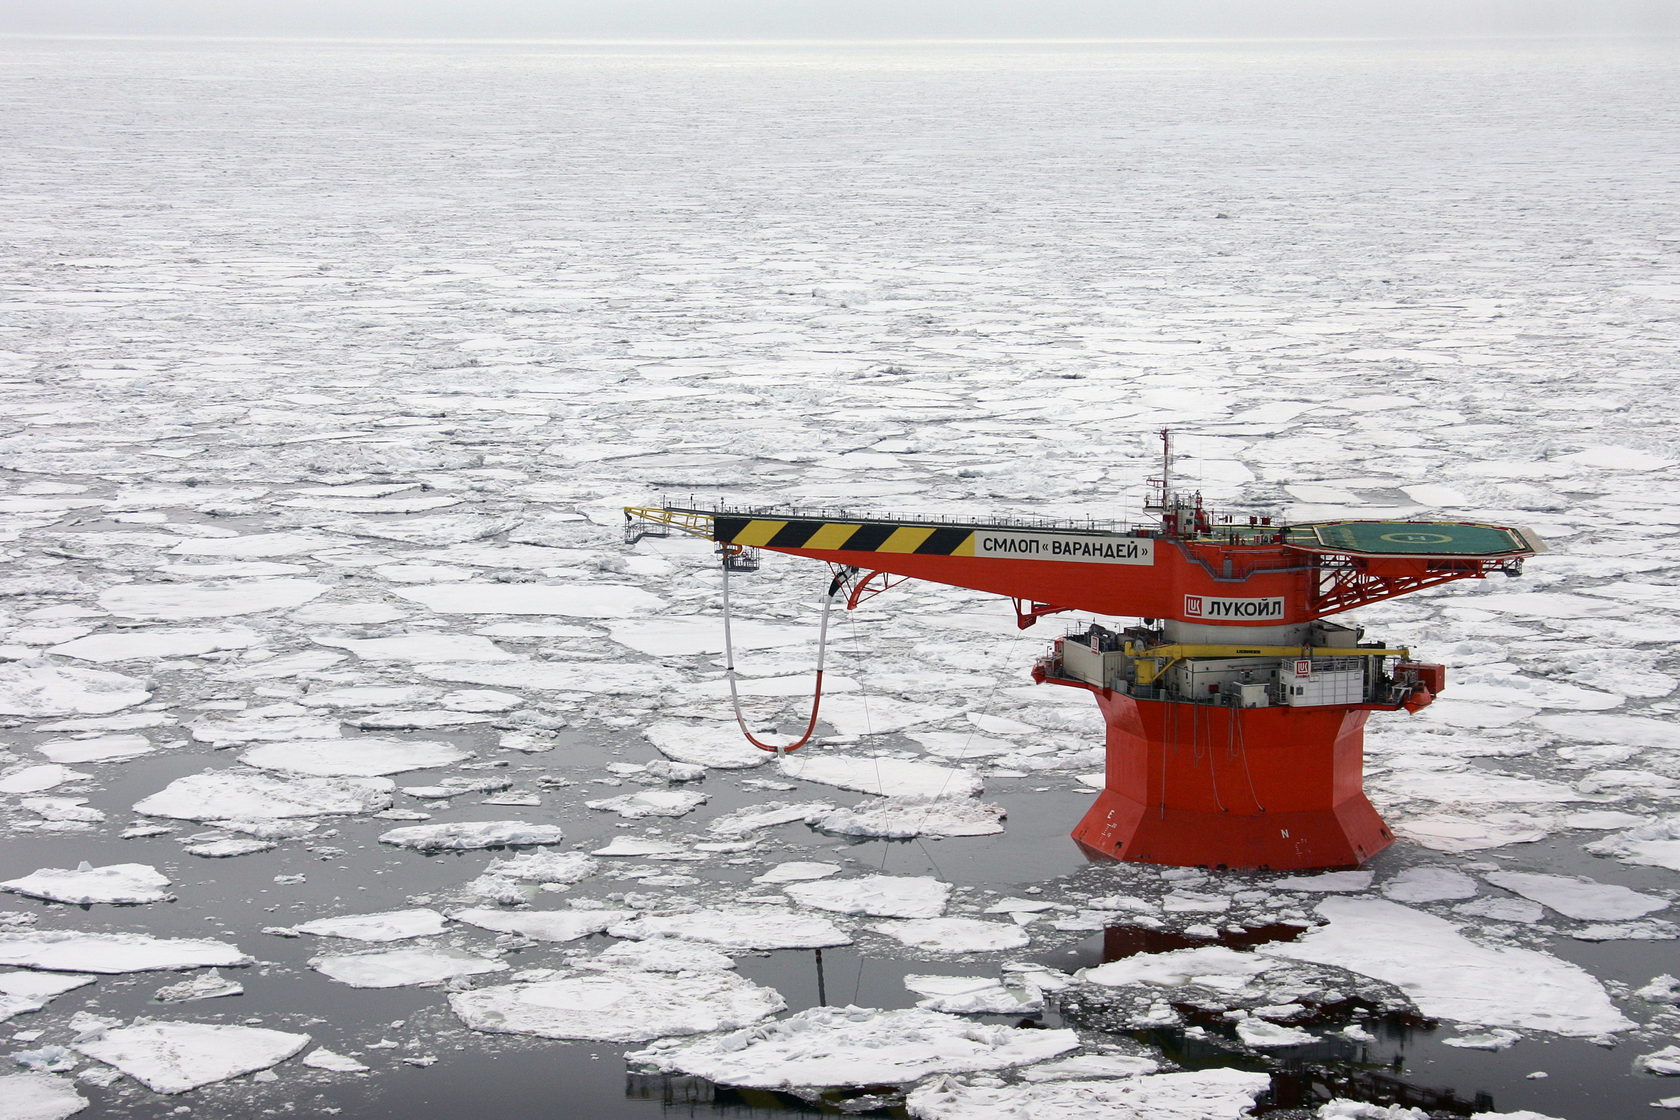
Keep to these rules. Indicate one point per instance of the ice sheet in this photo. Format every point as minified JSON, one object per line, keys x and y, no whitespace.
{"x":1452,"y":977}
{"x":619,"y":1005}
{"x":824,"y":1046}
{"x":176,"y":1057}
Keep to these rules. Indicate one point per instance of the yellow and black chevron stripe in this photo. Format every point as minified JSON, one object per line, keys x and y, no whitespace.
{"x":845,"y":536}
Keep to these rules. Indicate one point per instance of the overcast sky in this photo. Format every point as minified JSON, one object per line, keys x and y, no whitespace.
{"x":869,"y":19}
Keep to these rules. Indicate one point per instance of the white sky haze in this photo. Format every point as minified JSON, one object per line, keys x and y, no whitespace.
{"x":838,"y":19}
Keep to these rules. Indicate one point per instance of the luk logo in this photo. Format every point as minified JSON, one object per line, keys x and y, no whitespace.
{"x":1233,"y":610}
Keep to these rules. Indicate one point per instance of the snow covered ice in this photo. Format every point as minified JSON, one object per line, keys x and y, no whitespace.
{"x":329,"y":369}
{"x":176,"y":1057}
{"x":618,"y":1005}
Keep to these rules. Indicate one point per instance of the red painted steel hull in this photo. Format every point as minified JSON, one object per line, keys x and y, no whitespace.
{"x":1197,"y":785}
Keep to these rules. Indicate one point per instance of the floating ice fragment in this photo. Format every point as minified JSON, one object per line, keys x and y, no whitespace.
{"x":1451,"y":832}
{"x":658,"y":954}
{"x":33,"y":779}
{"x":1213,"y":966}
{"x":738,"y":928}
{"x":631,"y":846}
{"x":37,"y":689}
{"x":1082,"y":1066}
{"x":207,"y":985}
{"x":619,"y":1005}
{"x":582,"y":600}
{"x":1451,"y":977}
{"x":392,"y":925}
{"x":881,"y":896}
{"x":717,"y":746}
{"x":353,"y":758}
{"x":544,"y":867}
{"x":104,"y":748}
{"x":651,"y":803}
{"x":38,"y":1096}
{"x":954,"y":935}
{"x":972,"y":995}
{"x":179,"y":600}
{"x":117,"y":883}
{"x":104,"y":953}
{"x":901,"y":818}
{"x":1429,"y":884}
{"x":769,"y":814}
{"x":44,"y":986}
{"x":401,"y":967}
{"x":542,"y":925}
{"x":175,"y":1057}
{"x":423,"y":647}
{"x":229,"y":848}
{"x":887,"y":777}
{"x":216,"y":795}
{"x":797,"y":871}
{"x":153,"y":644}
{"x":1326,"y":881}
{"x":1193,"y":1095}
{"x":332,"y":1062}
{"x":1654,"y":844}
{"x":470,"y":835}
{"x":1579,"y":898}
{"x":1495,"y":1039}
{"x":1663,"y":1063}
{"x":828,"y":1046}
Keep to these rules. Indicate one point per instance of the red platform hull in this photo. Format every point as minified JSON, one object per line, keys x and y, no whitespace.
{"x":1199,"y":785}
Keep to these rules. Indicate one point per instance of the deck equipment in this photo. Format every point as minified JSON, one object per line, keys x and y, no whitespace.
{"x":1235,"y":710}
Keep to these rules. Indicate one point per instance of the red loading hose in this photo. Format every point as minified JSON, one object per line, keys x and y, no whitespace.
{"x":729,"y":668}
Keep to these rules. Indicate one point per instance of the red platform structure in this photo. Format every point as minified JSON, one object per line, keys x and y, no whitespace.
{"x":1235,"y":710}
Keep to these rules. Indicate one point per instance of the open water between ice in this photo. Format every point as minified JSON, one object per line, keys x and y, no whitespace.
{"x":327,"y":368}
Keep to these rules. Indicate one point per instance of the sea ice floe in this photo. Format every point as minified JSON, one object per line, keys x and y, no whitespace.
{"x":542,"y":925}
{"x":798,"y":871}
{"x":422,"y":647}
{"x":1663,"y":1063}
{"x":1451,"y":977}
{"x":954,"y":935}
{"x":34,"y":779}
{"x":176,"y":1057}
{"x":1326,"y":881}
{"x":1264,"y":1035}
{"x":544,"y":867}
{"x":38,"y":1096}
{"x":767,"y":814}
{"x":464,"y":836}
{"x":651,"y":803}
{"x":109,"y":953}
{"x":117,"y":883}
{"x":657,"y":954}
{"x":742,"y":928}
{"x":1579,"y":898}
{"x":1225,"y":1094}
{"x":646,"y":848}
{"x":880,"y":896}
{"x":38,"y":689}
{"x":206,"y":985}
{"x":1083,"y":1066}
{"x":887,"y":777}
{"x":333,"y":1062}
{"x":1212,"y":966}
{"x":901,"y":818}
{"x":364,"y":757}
{"x":133,"y":645}
{"x":102,"y":748}
{"x":832,"y":1046}
{"x":684,"y":637}
{"x":1655,"y":844}
{"x":171,"y":601}
{"x":219,"y":795}
{"x":252,"y":546}
{"x":393,"y":968}
{"x":717,"y":746}
{"x":1457,"y":833}
{"x":619,"y":1005}
{"x":973,"y":995}
{"x":1429,"y":884}
{"x":579,"y":600}
{"x":391,"y":925}
{"x":546,"y":676}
